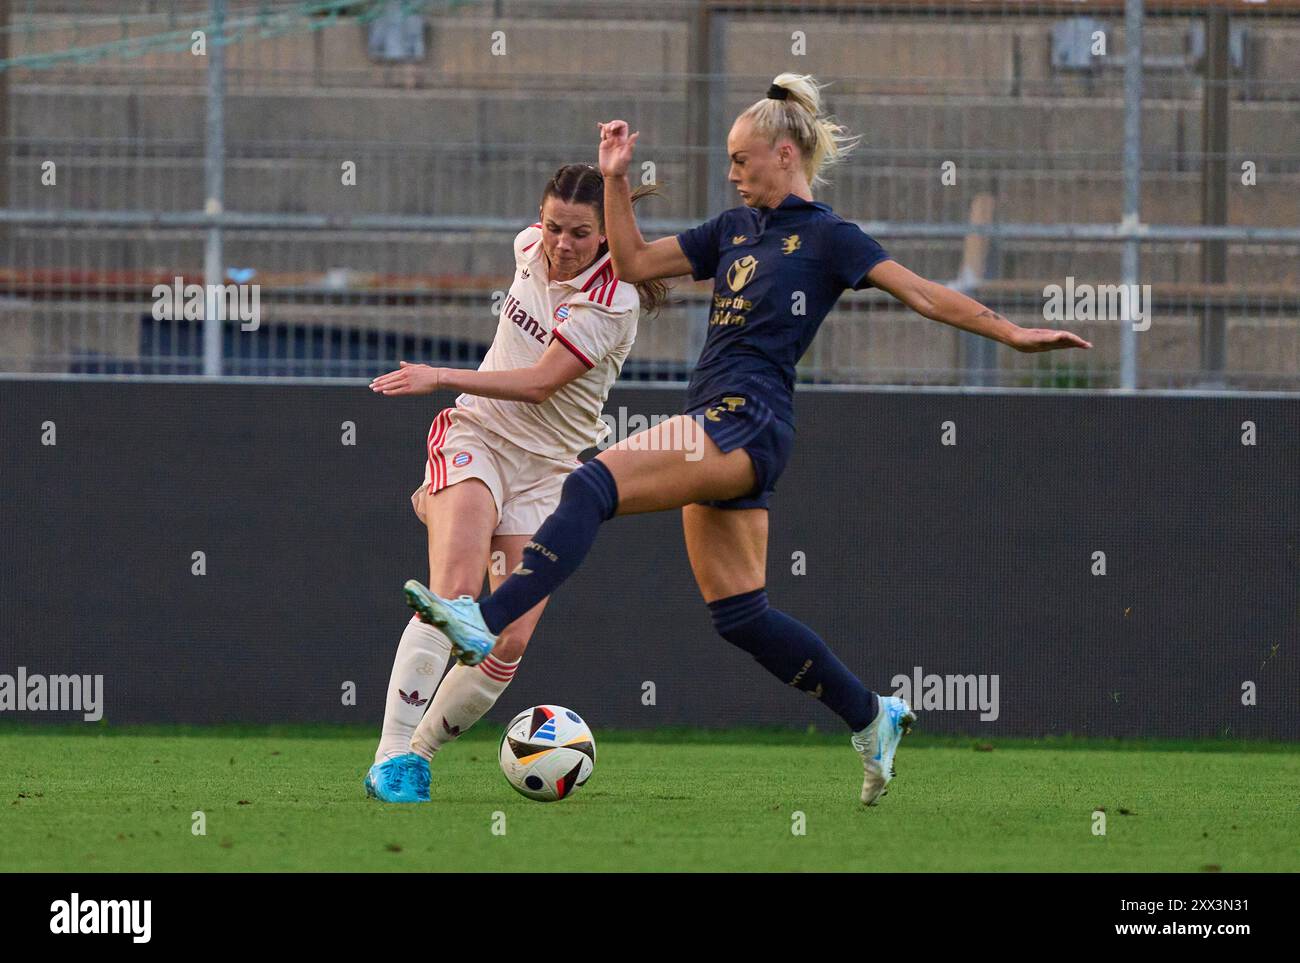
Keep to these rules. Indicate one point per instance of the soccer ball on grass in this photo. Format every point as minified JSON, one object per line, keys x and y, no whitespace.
{"x":547,"y":752}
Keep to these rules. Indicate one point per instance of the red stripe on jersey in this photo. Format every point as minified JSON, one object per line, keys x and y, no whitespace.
{"x":609,"y":298}
{"x":433,"y":439}
{"x":578,"y":354}
{"x":433,"y":429}
{"x":437,"y":462}
{"x":442,"y":456}
{"x":600,"y":277}
{"x":538,"y":224}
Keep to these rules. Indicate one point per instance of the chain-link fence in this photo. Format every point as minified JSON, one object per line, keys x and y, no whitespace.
{"x":362,"y":166}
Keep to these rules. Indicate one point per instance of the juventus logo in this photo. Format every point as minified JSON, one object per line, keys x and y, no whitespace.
{"x":730,"y":403}
{"x":741,"y":270}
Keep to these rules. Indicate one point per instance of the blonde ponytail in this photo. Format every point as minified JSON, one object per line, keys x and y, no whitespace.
{"x":821,"y":141}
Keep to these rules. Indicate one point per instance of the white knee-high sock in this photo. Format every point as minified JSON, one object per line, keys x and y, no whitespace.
{"x":420,"y":661}
{"x":464,"y":696}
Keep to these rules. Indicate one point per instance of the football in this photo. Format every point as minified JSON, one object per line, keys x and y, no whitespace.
{"x":547,"y":752}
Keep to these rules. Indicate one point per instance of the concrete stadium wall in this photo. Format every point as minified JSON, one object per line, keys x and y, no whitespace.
{"x":918,"y":559}
{"x":469,"y":133}
{"x":482,"y":152}
{"x":997,"y":56}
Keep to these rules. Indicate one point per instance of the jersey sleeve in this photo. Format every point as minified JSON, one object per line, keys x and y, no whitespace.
{"x":592,"y":330}
{"x":526,"y":242}
{"x":853,"y":252}
{"x":701,"y":245}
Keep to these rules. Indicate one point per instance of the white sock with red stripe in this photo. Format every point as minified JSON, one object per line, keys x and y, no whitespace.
{"x":420,"y":661}
{"x":464,"y":696}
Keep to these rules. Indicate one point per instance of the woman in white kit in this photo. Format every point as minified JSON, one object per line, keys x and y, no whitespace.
{"x":497,"y":460}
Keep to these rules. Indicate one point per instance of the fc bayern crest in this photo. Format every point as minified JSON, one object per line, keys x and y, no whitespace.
{"x":561,"y":313}
{"x":461,"y":459}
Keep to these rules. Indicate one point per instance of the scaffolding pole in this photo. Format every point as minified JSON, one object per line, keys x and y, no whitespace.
{"x":214,"y":157}
{"x":1133,"y":15}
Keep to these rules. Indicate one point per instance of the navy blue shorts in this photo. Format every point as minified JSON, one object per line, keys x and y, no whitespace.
{"x":737,"y":420}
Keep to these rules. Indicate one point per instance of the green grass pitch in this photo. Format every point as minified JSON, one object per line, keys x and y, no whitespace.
{"x":290,"y":799}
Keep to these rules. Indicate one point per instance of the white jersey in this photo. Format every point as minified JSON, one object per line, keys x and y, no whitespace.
{"x":593,"y":315}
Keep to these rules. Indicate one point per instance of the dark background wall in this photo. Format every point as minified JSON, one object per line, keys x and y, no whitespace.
{"x":970,"y":559}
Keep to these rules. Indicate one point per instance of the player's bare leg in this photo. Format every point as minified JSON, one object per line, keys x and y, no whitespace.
{"x":673,"y":464}
{"x":728,"y":554}
{"x":459,"y":548}
{"x":468,"y":692}
{"x":459,"y":520}
{"x":727,"y":549}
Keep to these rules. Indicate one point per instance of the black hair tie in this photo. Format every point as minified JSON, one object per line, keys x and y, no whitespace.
{"x":776,"y":92}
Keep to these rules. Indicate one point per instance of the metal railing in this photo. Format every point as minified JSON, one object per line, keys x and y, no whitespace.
{"x":231,"y":174}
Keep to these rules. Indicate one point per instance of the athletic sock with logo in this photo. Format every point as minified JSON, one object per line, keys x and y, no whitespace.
{"x":588,"y":498}
{"x":421,"y":658}
{"x":795,"y":654}
{"x":465,"y":695}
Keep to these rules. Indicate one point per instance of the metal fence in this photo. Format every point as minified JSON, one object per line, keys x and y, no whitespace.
{"x":364,"y":165}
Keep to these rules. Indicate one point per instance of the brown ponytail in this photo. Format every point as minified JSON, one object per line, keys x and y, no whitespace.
{"x":583,"y":184}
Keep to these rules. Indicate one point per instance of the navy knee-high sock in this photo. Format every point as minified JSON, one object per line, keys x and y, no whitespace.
{"x":588,"y":498}
{"x":794,"y":654}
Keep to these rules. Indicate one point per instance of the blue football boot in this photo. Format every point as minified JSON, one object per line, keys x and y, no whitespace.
{"x":459,"y":618}
{"x":402,"y":779}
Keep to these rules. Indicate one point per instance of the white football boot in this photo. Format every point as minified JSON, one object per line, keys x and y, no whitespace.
{"x":877,"y":744}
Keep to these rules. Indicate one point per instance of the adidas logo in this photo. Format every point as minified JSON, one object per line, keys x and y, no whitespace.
{"x":412,"y":699}
{"x":452,"y":731}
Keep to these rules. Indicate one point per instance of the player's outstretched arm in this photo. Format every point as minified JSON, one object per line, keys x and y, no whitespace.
{"x":939,"y":303}
{"x":634,"y":258}
{"x":553,"y":370}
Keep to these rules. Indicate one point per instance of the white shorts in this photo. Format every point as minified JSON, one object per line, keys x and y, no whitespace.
{"x":525,"y":486}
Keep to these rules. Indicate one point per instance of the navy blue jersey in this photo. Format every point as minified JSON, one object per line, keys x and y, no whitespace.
{"x":777,"y":273}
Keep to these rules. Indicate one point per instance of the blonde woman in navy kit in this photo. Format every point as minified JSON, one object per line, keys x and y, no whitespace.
{"x":778,"y":246}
